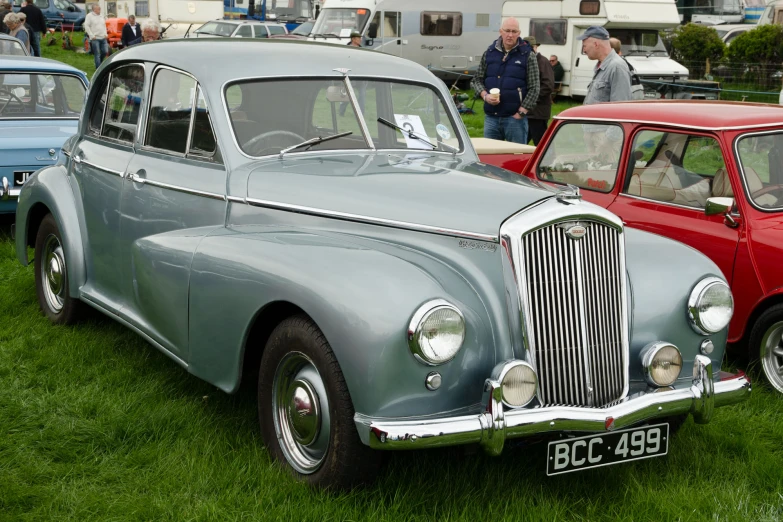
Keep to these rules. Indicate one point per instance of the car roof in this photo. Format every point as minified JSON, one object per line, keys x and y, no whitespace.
{"x":707,"y":115}
{"x":205,"y":58}
{"x":33,"y":64}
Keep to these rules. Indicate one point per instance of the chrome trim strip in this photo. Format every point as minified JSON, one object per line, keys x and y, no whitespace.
{"x":665,"y":124}
{"x":492,"y":427}
{"x":177,"y":188}
{"x":371,"y":220}
{"x":742,"y":170}
{"x":359,"y":113}
{"x":234,"y":199}
{"x":113,"y":172}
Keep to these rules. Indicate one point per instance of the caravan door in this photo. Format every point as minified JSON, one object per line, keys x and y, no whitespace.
{"x":389,"y":35}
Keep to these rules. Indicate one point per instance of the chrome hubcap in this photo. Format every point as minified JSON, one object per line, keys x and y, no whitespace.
{"x":772,"y":355}
{"x":301,"y":413}
{"x":53,"y":274}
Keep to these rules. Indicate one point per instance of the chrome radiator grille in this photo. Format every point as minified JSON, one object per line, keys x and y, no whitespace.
{"x":576,"y":313}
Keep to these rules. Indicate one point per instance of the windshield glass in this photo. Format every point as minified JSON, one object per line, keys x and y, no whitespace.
{"x":721,"y":32}
{"x":635,"y":41}
{"x":341,"y":22}
{"x":40,"y":95}
{"x":322,"y":108}
{"x":304,"y":29}
{"x":12,"y":47}
{"x":216,"y":28}
{"x":288,"y":8}
{"x":761,"y":162}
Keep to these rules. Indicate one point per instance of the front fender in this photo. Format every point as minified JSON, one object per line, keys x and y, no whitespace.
{"x":49,"y":191}
{"x":362,"y":298}
{"x":663,"y":273}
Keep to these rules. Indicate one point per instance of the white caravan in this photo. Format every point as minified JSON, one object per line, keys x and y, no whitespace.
{"x":179,"y":14}
{"x":557,"y":23}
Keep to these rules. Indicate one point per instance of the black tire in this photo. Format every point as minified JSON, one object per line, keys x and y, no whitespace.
{"x":319,"y":443}
{"x":51,"y":276}
{"x":765,"y":345}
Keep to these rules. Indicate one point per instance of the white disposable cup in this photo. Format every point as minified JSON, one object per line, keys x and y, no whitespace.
{"x":495,"y":93}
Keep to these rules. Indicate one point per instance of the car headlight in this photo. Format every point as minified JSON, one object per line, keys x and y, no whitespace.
{"x":518,"y":382}
{"x":710,"y":306}
{"x":436,"y":332}
{"x":662,"y":363}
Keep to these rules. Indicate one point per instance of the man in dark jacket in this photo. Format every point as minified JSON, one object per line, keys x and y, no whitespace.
{"x":507,"y":80}
{"x":538,"y":118}
{"x":131,"y":32}
{"x":37,"y":22}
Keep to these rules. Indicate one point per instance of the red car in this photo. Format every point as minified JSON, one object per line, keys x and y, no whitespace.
{"x":708,"y":174}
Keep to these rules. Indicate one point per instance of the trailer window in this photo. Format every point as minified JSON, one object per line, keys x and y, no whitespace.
{"x":549,"y":32}
{"x":441,"y":24}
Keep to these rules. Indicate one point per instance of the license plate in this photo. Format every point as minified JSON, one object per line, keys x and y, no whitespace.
{"x":615,"y":447}
{"x":20,"y":176}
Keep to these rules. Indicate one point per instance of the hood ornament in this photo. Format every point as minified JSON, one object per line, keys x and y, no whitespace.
{"x":569,"y":195}
{"x":342,"y":71}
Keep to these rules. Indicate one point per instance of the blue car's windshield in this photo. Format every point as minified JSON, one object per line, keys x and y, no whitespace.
{"x":40,"y":95}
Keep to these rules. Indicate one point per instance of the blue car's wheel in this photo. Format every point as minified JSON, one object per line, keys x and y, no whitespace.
{"x":305,"y":411}
{"x":51,"y":275}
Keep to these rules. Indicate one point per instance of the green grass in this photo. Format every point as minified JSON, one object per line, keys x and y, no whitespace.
{"x":82,"y":61}
{"x":95,"y":424}
{"x":475,"y":122}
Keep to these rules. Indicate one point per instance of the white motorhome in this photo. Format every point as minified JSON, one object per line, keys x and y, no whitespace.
{"x":178,"y":14}
{"x":556,"y":24}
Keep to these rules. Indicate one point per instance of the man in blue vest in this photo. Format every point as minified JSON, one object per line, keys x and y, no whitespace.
{"x":508,"y":81}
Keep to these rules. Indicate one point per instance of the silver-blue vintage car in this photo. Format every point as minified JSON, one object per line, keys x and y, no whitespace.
{"x":40,"y":104}
{"x":314,"y":219}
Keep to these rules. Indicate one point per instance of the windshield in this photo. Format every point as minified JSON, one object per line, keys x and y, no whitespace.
{"x":288,"y":9}
{"x":322,"y":108}
{"x":761,"y":162}
{"x":304,"y":29}
{"x":341,"y":22}
{"x":721,"y":32}
{"x":13,"y":47}
{"x":635,"y":41}
{"x":40,"y":95}
{"x":216,"y":28}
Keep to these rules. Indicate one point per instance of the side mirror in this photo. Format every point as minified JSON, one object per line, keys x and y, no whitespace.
{"x":4,"y":189}
{"x":72,"y":8}
{"x":717,"y":206}
{"x":372,"y":31}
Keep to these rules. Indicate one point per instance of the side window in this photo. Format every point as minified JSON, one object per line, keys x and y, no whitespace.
{"x":41,"y":4}
{"x":276,"y":29}
{"x":585,"y":155}
{"x":170,"y":111}
{"x":260,"y":31}
{"x":549,"y":32}
{"x":62,"y":4}
{"x":391,"y":24}
{"x":675,"y":167}
{"x":124,"y":103}
{"x":441,"y":24}
{"x":244,"y":31}
{"x":96,"y":115}
{"x":202,"y":143}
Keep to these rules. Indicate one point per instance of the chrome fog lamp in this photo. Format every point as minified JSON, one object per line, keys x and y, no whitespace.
{"x":518,"y":382}
{"x":710,"y":306}
{"x":436,"y":332}
{"x":662,"y":363}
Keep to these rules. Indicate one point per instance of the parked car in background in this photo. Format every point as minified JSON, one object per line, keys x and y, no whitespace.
{"x":379,"y":286}
{"x":729,"y":32}
{"x":239,"y":29}
{"x":707,"y":174}
{"x":300,"y":33}
{"x":40,"y":102}
{"x":57,"y":12}
{"x":504,"y":154}
{"x":11,"y":46}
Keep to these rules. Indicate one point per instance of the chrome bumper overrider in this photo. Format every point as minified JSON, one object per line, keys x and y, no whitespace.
{"x":494,"y":426}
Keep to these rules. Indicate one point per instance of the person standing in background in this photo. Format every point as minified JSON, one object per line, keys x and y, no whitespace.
{"x":538,"y":117}
{"x":557,"y":67}
{"x":5,"y":8}
{"x":611,"y":77}
{"x":95,"y":27}
{"x":508,"y":81}
{"x":37,"y":22}
{"x":16,"y":29}
{"x":131,"y":32}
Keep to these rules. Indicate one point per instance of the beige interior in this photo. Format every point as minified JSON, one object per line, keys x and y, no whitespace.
{"x":490,"y":146}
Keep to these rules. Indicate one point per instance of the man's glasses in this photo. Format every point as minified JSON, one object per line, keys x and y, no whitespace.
{"x":510,"y":31}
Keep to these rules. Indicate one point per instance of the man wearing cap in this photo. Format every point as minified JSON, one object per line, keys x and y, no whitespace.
{"x":356,"y":39}
{"x":538,"y":117}
{"x":611,"y":78}
{"x":509,"y":70}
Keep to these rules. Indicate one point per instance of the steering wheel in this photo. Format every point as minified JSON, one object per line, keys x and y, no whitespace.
{"x":766,"y":190}
{"x":264,"y":144}
{"x":11,"y":96}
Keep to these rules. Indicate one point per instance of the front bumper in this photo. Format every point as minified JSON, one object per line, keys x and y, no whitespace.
{"x":492,"y":427}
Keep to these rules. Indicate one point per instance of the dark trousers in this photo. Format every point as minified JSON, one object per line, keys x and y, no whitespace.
{"x":536,"y":129}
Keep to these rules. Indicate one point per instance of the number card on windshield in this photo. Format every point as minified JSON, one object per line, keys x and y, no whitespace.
{"x":413,"y":123}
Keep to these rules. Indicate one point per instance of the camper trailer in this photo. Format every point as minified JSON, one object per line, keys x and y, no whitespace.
{"x":450,"y":40}
{"x":177,"y":15}
{"x":773,"y":14}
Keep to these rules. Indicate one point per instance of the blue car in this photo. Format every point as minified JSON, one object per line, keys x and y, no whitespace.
{"x":40,"y":103}
{"x":56,"y":12}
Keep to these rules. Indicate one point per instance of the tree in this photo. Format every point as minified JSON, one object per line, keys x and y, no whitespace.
{"x":694,"y":45}
{"x":763,"y":45}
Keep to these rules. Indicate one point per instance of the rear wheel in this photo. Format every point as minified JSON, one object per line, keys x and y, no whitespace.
{"x":51,"y":275}
{"x":305,"y":411}
{"x":766,"y":340}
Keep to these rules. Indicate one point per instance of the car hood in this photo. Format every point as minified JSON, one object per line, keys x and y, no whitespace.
{"x":423,"y":189}
{"x":27,"y":143}
{"x":656,"y":66}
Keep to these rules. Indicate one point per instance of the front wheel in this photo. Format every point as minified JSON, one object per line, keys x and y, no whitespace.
{"x":51,"y":275}
{"x":305,"y":411}
{"x":766,"y":339}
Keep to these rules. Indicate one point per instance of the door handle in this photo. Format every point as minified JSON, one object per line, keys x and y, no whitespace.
{"x":139,"y":176}
{"x":577,"y":63}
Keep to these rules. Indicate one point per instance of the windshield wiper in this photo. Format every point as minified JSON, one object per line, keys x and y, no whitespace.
{"x":324,"y":35}
{"x":415,"y":136}
{"x":314,"y":141}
